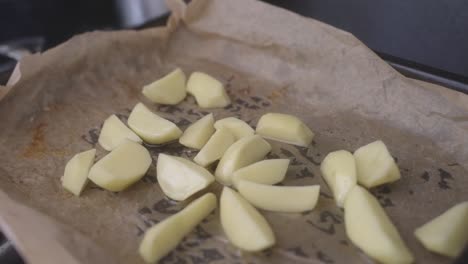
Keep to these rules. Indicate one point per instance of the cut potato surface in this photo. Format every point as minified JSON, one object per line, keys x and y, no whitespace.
{"x":244,"y":226}
{"x":287,"y":199}
{"x":214,"y":149}
{"x":76,"y":172}
{"x":151,"y":127}
{"x":169,"y":90}
{"x":370,"y":229}
{"x":284,"y":128}
{"x":198,"y":133}
{"x":446,"y":234}
{"x":208,"y":92}
{"x":122,"y":167}
{"x":339,"y":171}
{"x":179,"y":178}
{"x":374,"y":165}
{"x":114,"y":132}
{"x":236,"y":126}
{"x":270,"y":171}
{"x":244,"y":152}
{"x":160,"y":239}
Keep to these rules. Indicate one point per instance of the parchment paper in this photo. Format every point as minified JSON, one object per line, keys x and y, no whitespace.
{"x":270,"y":60}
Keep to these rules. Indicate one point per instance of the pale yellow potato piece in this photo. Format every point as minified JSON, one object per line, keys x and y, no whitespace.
{"x":370,"y":229}
{"x":447,"y":234}
{"x":179,"y":178}
{"x":286,"y":199}
{"x":198,"y":133}
{"x":169,"y":90}
{"x":236,"y":126}
{"x":339,"y":171}
{"x":122,"y":167}
{"x":270,"y":171}
{"x":113,"y":132}
{"x":162,"y":238}
{"x":374,"y":165}
{"x":151,"y":127}
{"x":216,"y":146}
{"x":208,"y":92}
{"x":243,"y":225}
{"x":76,"y":172}
{"x":243,"y":152}
{"x":284,"y":128}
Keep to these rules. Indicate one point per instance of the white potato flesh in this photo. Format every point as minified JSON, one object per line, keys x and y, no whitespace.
{"x":169,"y":90}
{"x":243,"y":152}
{"x":371,"y":230}
{"x":122,"y":167}
{"x":270,"y":171}
{"x":162,"y":238}
{"x":151,"y":127}
{"x":179,"y":178}
{"x":208,"y":92}
{"x":113,"y":132}
{"x":76,"y":172}
{"x":284,"y":128}
{"x":236,"y":126}
{"x":216,"y":146}
{"x":447,"y":234}
{"x":286,"y":199}
{"x":374,"y":165}
{"x":198,"y":133}
{"x":243,"y":225}
{"x":339,"y":171}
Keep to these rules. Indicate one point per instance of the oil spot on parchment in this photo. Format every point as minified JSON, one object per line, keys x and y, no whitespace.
{"x":444,"y":177}
{"x":298,"y":252}
{"x":37,"y":146}
{"x":92,"y":136}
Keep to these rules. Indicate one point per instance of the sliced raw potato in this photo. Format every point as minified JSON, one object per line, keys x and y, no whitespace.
{"x":208,"y":92}
{"x":370,"y":229}
{"x":179,"y":178}
{"x":284,"y":128}
{"x":270,"y":171}
{"x":244,"y":226}
{"x":339,"y":171}
{"x":214,"y":149}
{"x":151,"y":127}
{"x":243,"y":152}
{"x":198,"y":133}
{"x":76,"y":172}
{"x":446,"y":234}
{"x":113,"y":132}
{"x":160,"y":239}
{"x":122,"y":167}
{"x":287,"y":199}
{"x":375,"y":165}
{"x":236,"y":126}
{"x":168,"y":90}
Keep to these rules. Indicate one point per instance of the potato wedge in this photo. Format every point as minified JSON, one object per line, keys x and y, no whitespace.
{"x":76,"y":172}
{"x":236,"y":126}
{"x":208,"y":92}
{"x":179,"y":178}
{"x":284,"y":128}
{"x":244,"y":226}
{"x":270,"y":171}
{"x":339,"y":171}
{"x":244,"y":152}
{"x":370,"y":229}
{"x":198,"y":133}
{"x":122,"y":167}
{"x":113,"y":132}
{"x":374,"y":165}
{"x":151,"y":127}
{"x":163,"y":237}
{"x":168,"y":90}
{"x":286,"y":199}
{"x":447,"y":234}
{"x":216,"y":146}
